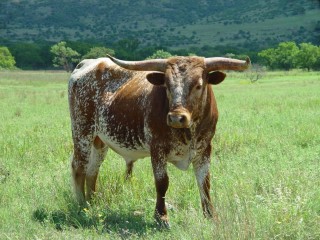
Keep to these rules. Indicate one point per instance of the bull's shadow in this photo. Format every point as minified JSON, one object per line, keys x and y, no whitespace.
{"x":106,"y":221}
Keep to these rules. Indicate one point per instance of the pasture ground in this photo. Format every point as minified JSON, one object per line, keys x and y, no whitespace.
{"x":265,"y":167}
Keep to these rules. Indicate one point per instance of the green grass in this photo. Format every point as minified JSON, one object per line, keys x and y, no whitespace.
{"x":265,"y":167}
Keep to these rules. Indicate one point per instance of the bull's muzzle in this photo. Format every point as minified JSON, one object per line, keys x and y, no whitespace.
{"x":179,"y":119}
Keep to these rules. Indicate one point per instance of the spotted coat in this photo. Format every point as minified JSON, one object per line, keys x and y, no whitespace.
{"x":169,"y":116}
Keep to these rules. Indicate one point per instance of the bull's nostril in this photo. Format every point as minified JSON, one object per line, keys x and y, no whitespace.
{"x":182,"y":119}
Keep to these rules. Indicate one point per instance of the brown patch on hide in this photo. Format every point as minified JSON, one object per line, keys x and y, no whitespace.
{"x":127,"y":115}
{"x":100,"y":70}
{"x":97,"y":143}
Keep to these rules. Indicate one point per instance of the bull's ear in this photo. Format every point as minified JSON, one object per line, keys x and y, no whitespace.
{"x":156,"y":78}
{"x":215,"y":77}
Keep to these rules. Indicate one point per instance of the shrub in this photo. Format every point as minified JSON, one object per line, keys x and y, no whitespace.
{"x":6,"y":59}
{"x":160,"y":54}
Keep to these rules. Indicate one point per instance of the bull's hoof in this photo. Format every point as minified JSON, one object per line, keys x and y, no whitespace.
{"x":163,"y":224}
{"x":162,"y":221}
{"x":212,"y":214}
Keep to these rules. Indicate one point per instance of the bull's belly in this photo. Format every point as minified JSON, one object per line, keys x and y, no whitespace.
{"x":128,"y":153}
{"x":181,"y":155}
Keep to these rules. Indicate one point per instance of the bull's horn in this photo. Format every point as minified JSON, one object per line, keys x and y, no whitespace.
{"x":219,"y":63}
{"x":146,"y":65}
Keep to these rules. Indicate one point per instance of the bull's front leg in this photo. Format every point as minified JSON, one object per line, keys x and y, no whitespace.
{"x":202,"y":171}
{"x":161,"y":178}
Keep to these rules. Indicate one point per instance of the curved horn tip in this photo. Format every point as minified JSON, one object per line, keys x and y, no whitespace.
{"x":109,"y":56}
{"x":248,"y":61}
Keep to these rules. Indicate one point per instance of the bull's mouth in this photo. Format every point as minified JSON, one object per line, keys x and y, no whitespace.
{"x":179,"y":119}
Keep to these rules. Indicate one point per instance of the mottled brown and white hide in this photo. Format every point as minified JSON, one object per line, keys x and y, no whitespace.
{"x":169,"y":115}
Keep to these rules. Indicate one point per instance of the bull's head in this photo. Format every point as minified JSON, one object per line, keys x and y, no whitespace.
{"x":186,"y":80}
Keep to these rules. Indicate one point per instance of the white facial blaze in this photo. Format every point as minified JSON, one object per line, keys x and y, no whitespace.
{"x":177,"y":95}
{"x":179,"y":91}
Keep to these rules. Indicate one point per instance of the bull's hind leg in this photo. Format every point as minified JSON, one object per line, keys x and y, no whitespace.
{"x":129,"y":167}
{"x":78,"y":164}
{"x":98,"y":153}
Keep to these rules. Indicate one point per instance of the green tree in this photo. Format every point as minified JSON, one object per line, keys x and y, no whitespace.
{"x":282,"y":57}
{"x":286,"y":53}
{"x":81,"y":47}
{"x":97,"y":52}
{"x":307,"y":56}
{"x":160,"y":54}
{"x":6,"y":59}
{"x":64,"y":56}
{"x":269,"y":57}
{"x":31,"y":55}
{"x":127,"y":48}
{"x":230,"y":55}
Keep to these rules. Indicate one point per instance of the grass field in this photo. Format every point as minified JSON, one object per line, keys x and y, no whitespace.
{"x":265,"y":167}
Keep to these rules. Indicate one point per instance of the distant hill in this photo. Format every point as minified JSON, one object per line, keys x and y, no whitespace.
{"x":171,"y":23}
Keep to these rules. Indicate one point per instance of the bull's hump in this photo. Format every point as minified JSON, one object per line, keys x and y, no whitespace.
{"x":88,"y":66}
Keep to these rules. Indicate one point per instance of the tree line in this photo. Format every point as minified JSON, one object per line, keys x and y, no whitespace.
{"x":284,"y":56}
{"x":288,"y":55}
